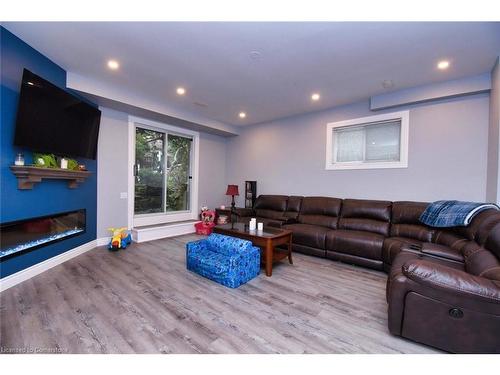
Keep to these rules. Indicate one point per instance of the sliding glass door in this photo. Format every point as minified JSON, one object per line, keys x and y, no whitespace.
{"x":178,"y":173}
{"x":149,"y":171}
{"x":162,"y":172}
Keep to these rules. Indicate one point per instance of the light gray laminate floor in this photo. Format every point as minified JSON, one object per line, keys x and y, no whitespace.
{"x":143,"y":300}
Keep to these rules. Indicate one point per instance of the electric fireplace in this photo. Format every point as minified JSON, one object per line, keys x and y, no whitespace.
{"x":22,"y":236}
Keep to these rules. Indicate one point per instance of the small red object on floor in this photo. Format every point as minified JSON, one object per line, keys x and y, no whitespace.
{"x":204,"y":228}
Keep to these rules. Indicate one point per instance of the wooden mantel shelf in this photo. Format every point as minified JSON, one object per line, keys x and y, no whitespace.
{"x":27,"y":176}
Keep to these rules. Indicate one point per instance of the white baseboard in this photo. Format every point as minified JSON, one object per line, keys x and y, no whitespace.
{"x":157,"y":232}
{"x":23,"y":275}
{"x":103,"y":241}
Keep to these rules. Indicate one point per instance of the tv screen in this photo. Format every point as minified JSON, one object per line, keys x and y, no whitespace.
{"x":50,"y":120}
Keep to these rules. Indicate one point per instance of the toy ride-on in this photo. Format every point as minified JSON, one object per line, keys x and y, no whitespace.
{"x":120,"y":240}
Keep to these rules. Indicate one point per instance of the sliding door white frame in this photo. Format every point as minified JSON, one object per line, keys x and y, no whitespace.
{"x":164,"y":217}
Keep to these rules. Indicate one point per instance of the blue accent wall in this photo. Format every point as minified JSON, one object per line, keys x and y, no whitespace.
{"x":48,"y":196}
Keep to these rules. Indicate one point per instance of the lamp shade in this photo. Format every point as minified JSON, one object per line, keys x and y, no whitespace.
{"x":232,"y":190}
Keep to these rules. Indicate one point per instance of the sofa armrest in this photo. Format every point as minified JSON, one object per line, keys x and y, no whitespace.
{"x":244,"y":212}
{"x":452,"y":280}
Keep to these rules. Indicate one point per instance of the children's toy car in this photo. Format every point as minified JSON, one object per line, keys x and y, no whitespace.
{"x":121,"y":238}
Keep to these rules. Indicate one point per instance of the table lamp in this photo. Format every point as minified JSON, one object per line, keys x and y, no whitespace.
{"x":232,"y":190}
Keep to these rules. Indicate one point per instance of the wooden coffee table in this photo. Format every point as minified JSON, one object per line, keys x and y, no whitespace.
{"x":267,"y":240}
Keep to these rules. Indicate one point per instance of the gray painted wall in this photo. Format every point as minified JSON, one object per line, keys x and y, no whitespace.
{"x":112,"y":171}
{"x":447,"y":155}
{"x":212,"y":171}
{"x":493,"y":183}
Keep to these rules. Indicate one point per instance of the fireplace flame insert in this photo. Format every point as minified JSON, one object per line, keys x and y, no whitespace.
{"x":21,"y":236}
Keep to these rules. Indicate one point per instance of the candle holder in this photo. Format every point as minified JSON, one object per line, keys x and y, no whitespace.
{"x":19,"y":159}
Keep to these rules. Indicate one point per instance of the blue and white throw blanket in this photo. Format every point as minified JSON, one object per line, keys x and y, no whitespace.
{"x":452,"y":213}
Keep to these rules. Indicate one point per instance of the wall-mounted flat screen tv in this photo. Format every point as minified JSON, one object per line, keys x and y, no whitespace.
{"x":51,"y":120}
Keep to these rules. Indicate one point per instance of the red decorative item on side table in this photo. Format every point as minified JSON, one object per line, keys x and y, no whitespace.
{"x":206,"y":225}
{"x":232,"y":190}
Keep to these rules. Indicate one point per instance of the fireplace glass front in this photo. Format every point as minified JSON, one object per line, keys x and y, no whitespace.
{"x":22,"y":236}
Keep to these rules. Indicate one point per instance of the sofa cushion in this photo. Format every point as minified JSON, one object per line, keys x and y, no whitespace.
{"x":227,"y":245}
{"x":449,"y":238}
{"x":209,"y":261}
{"x":393,"y":245}
{"x":293,"y":207}
{"x":322,"y":211}
{"x":480,"y":261}
{"x":358,"y":243}
{"x":271,"y":202}
{"x":484,"y":224}
{"x":366,"y":215}
{"x":271,"y":206}
{"x":366,"y":209}
{"x":308,"y":235}
{"x":405,"y":221}
{"x":479,"y":230}
{"x":270,"y":214}
{"x":492,"y":240}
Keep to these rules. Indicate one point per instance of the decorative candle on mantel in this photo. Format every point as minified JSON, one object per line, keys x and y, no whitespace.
{"x":64,"y":163}
{"x":19,"y":159}
{"x":260,"y":227}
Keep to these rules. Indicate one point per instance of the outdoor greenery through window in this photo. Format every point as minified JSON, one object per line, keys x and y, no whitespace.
{"x":162,"y":172}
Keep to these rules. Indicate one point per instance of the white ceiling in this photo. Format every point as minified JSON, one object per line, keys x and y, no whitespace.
{"x":345,"y":62}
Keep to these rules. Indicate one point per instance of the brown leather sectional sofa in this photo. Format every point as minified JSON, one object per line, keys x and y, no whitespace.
{"x":443,"y":287}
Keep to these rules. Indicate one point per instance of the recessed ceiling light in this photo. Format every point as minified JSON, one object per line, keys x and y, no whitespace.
{"x":443,"y":64}
{"x":242,"y":114}
{"x":315,"y":97}
{"x":31,"y":83}
{"x":113,"y":64}
{"x":181,"y":90}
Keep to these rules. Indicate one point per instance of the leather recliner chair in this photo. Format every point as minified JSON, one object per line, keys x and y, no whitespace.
{"x":449,"y":296}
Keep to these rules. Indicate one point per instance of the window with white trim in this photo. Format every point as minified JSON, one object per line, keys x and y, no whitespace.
{"x":379,"y":141}
{"x":163,"y":180}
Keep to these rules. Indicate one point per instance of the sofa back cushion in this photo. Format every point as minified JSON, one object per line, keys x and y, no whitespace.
{"x":366,"y":215}
{"x":271,"y":206}
{"x":322,"y":211}
{"x":492,"y":240}
{"x":486,"y":226}
{"x":405,"y":221}
{"x":480,"y":261}
{"x":227,"y":245}
{"x":293,"y":207}
{"x":479,"y":230}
